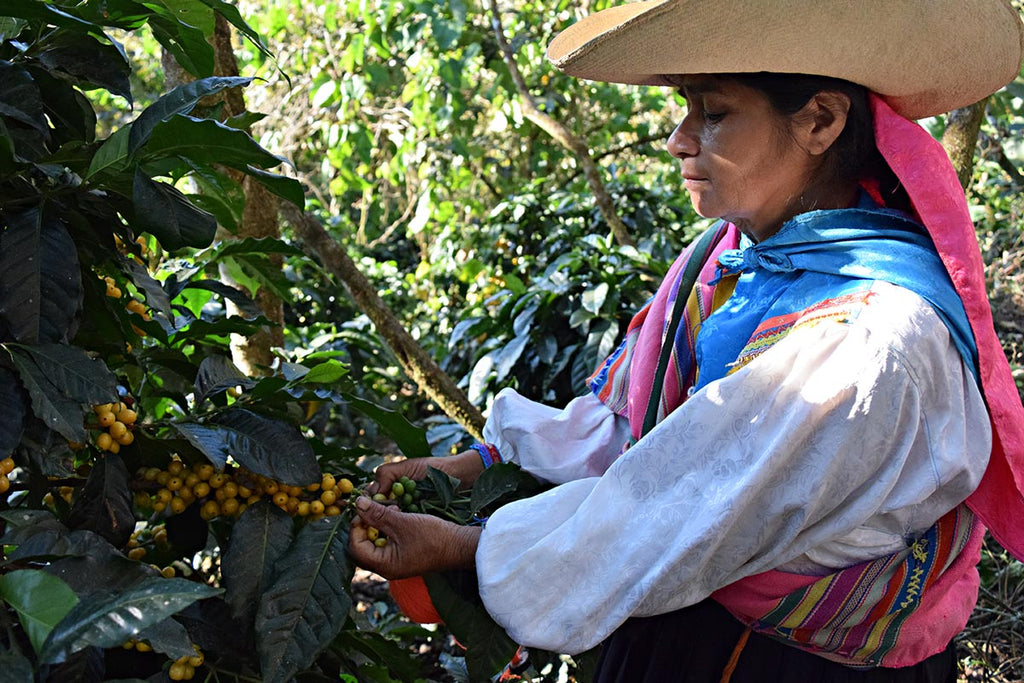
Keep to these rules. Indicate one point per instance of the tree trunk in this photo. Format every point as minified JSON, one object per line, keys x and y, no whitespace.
{"x":561,"y":133}
{"x":961,"y":138}
{"x":416,"y":363}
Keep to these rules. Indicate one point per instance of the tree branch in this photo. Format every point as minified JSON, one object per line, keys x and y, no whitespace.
{"x":562,"y":135}
{"x":415,"y":361}
{"x":961,"y":138}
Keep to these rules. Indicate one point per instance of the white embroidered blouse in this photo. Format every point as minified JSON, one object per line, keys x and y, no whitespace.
{"x":838,"y":445}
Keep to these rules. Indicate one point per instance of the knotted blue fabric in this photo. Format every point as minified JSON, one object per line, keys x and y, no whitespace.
{"x":825,"y":254}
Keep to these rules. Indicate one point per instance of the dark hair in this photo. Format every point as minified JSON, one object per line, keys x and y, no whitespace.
{"x":854,"y":155}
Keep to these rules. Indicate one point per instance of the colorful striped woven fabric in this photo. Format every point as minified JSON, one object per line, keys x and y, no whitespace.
{"x":855,"y":615}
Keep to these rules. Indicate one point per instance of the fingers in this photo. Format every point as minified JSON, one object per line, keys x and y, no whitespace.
{"x":373,"y":514}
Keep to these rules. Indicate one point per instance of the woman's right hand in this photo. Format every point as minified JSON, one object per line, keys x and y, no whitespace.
{"x":465,"y":466}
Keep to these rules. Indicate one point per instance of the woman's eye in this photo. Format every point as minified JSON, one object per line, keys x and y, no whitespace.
{"x":713,"y":117}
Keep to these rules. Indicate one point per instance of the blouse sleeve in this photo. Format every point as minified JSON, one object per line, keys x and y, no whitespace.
{"x":840,"y":436}
{"x":554,"y":445}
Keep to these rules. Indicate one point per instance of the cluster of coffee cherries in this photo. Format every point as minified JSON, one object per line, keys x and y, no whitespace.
{"x":133,"y":306}
{"x":227,"y":493}
{"x":6,"y":467}
{"x":117,"y":419}
{"x":405,"y":493}
{"x":148,"y":537}
{"x":182,"y":669}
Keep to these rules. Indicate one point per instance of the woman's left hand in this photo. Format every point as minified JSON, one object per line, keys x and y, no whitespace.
{"x":417,"y":544}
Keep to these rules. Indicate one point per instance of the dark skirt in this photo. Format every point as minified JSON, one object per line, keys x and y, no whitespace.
{"x":694,"y":645}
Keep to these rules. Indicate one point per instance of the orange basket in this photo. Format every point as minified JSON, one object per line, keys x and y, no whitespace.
{"x":414,"y":600}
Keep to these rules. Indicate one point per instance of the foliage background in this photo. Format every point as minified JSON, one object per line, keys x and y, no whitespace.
{"x":407,"y":131}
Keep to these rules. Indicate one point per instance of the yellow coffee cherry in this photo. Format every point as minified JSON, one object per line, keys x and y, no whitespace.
{"x":168,"y":572}
{"x":229,"y":506}
{"x":115,"y":448}
{"x":159,"y":506}
{"x":117,"y":429}
{"x":345,"y":486}
{"x":302,"y":509}
{"x":178,"y":505}
{"x":372,"y":533}
{"x":177,"y":671}
{"x":332,"y":511}
{"x":293,"y":504}
{"x":106,"y":419}
{"x":217,"y":480}
{"x":174,"y":483}
{"x":316,"y":507}
{"x":209,"y":510}
{"x":328,"y":498}
{"x":204,"y":471}
{"x":143,"y":646}
{"x":230,"y":489}
{"x":201,"y":490}
{"x":380,"y":542}
{"x":164,"y":495}
{"x":151,"y":474}
{"x":127,"y":416}
{"x":191,"y":479}
{"x":175,"y":467}
{"x":136,"y":553}
{"x":135,"y":306}
{"x":198,"y":659}
{"x":103,"y":408}
{"x":244,"y":492}
{"x":7,"y":465}
{"x":327,"y":482}
{"x":271,"y":488}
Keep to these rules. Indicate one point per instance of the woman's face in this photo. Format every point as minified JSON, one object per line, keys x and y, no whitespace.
{"x":739,"y":158}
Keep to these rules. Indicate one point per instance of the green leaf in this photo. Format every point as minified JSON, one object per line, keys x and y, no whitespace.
{"x":409,"y":438}
{"x":251,"y":245}
{"x":107,"y":619}
{"x":261,"y":444}
{"x":70,"y":112}
{"x":42,"y":11}
{"x":456,"y":597}
{"x":87,"y":61}
{"x":223,"y":327}
{"x":379,"y":648}
{"x":308,"y":603}
{"x":188,"y":45}
{"x":16,"y":668}
{"x":168,"y":637}
{"x":156,"y":297}
{"x":168,"y":215}
{"x":216,"y":374}
{"x":112,"y":156}
{"x":286,"y":188}
{"x":243,"y":301}
{"x":444,"y":485}
{"x":178,"y":101}
{"x":12,"y":412}
{"x":60,"y":379}
{"x":40,"y":283}
{"x":260,"y":537}
{"x":498,"y":481}
{"x":20,"y":98}
{"x":207,"y":141}
{"x":327,"y":372}
{"x":230,"y":12}
{"x":40,"y":600}
{"x":105,"y":504}
{"x":594,"y":298}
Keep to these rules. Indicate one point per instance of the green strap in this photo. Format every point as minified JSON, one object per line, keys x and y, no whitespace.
{"x":686,"y":284}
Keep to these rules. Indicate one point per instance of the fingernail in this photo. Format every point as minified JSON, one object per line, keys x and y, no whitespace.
{"x":363,"y":503}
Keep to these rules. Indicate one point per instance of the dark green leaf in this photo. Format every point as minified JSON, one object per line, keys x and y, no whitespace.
{"x":308,"y":603}
{"x":156,"y":297}
{"x":20,"y":98}
{"x":44,"y":450}
{"x":178,"y":101}
{"x":457,"y":599}
{"x":40,"y":282}
{"x":12,"y":412}
{"x":498,"y":481}
{"x":168,"y":637}
{"x":53,"y":408}
{"x":88,"y":61}
{"x":260,"y":537}
{"x":107,"y":619}
{"x":105,"y":504}
{"x":43,"y":11}
{"x":72,"y":372}
{"x":53,"y":539}
{"x":378,"y":648}
{"x":207,"y":141}
{"x":188,"y":45}
{"x":444,"y":485}
{"x":253,"y":245}
{"x":16,"y":668}
{"x":112,"y":155}
{"x":201,"y":329}
{"x":217,"y":373}
{"x":243,"y":301}
{"x":69,"y":110}
{"x":39,"y":599}
{"x":264,"y":445}
{"x":165,"y":212}
{"x":286,"y":188}
{"x":409,"y":438}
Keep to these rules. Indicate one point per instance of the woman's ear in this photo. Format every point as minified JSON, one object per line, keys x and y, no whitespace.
{"x":822,"y":119}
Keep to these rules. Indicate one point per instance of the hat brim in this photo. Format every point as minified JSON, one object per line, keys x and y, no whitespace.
{"x":925,"y":57}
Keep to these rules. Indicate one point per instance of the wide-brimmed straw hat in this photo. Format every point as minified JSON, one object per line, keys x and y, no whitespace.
{"x":925,"y":57}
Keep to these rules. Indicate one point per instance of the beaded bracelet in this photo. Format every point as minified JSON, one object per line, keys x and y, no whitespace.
{"x":488,"y":453}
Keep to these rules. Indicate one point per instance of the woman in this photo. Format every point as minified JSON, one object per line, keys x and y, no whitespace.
{"x":798,"y":492}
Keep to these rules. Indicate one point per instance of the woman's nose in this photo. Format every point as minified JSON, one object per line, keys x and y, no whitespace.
{"x":682,"y":142}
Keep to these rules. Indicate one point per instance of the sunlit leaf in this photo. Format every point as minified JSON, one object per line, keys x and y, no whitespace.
{"x":40,"y":600}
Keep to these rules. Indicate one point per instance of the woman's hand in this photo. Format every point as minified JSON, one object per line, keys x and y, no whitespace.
{"x":465,"y":467}
{"x":417,"y":544}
